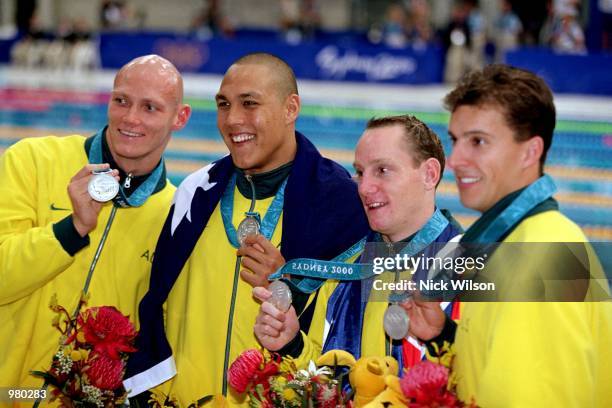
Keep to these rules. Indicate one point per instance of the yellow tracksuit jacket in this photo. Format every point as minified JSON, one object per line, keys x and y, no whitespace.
{"x":34,"y":175}
{"x":536,"y":354}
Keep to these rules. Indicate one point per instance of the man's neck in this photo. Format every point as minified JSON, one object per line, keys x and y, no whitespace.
{"x":137,"y":177}
{"x":527,"y":181}
{"x":281,"y":157}
{"x":130,"y":167}
{"x":416,"y":223}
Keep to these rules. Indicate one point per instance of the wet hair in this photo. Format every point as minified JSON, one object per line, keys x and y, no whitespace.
{"x":422,"y":142}
{"x":526,"y":102}
{"x":283,"y":73}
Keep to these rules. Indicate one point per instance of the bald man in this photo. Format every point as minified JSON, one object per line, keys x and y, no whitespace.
{"x":308,"y":205}
{"x":51,"y":228}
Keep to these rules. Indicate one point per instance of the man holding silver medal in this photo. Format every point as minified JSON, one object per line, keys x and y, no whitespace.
{"x":199,"y":312}
{"x":82,"y":214}
{"x":396,"y":156}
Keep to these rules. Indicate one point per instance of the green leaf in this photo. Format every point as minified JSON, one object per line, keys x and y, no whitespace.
{"x":204,"y":400}
{"x":42,"y":374}
{"x":48,"y":377}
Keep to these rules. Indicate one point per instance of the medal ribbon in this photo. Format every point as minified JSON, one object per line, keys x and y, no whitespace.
{"x":268,"y":225}
{"x":269,"y":222}
{"x":534,"y":194}
{"x":143,"y":192}
{"x":316,"y":271}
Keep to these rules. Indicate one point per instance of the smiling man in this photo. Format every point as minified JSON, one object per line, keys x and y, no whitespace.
{"x":399,"y":162}
{"x":511,"y":353}
{"x":51,"y":228}
{"x":306,"y":205}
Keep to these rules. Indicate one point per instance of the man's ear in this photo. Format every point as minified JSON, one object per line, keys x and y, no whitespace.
{"x":292,"y":106}
{"x":431,"y":171}
{"x":534,"y":149}
{"x":183,"y":115}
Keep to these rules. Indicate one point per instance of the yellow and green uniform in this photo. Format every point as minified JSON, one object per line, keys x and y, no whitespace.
{"x":527,"y":354}
{"x":34,"y":266}
{"x":190,"y":303}
{"x":209,"y":288}
{"x":373,"y":343}
{"x":342,"y":320}
{"x":373,"y":338}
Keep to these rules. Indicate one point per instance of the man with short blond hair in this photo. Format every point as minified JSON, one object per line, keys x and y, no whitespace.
{"x":57,"y":240}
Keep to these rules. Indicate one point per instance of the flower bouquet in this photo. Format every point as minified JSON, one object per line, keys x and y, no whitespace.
{"x":272,"y":381}
{"x":88,"y":368}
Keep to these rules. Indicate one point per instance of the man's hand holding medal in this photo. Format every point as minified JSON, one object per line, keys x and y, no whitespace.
{"x":277,"y":322}
{"x":92,"y":186}
{"x":260,"y":259}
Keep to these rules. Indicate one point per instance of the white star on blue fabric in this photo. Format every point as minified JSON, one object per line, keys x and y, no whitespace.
{"x":185,"y":192}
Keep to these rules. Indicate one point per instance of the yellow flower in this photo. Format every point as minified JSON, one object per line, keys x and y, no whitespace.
{"x":287,"y":365}
{"x":76,"y":355}
{"x":289,"y":394}
{"x":81,"y":337}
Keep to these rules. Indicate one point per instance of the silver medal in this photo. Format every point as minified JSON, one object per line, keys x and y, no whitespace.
{"x":102,"y":186}
{"x":248,"y":226}
{"x":396,"y":322}
{"x":281,"y":295}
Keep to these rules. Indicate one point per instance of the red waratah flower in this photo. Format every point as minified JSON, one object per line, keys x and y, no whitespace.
{"x":242,"y":371}
{"x":251,"y":369}
{"x":104,"y":372}
{"x":425,"y":385}
{"x":107,"y":330}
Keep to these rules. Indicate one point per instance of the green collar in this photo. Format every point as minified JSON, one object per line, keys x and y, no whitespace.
{"x":485,"y":220}
{"x":266,"y":184}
